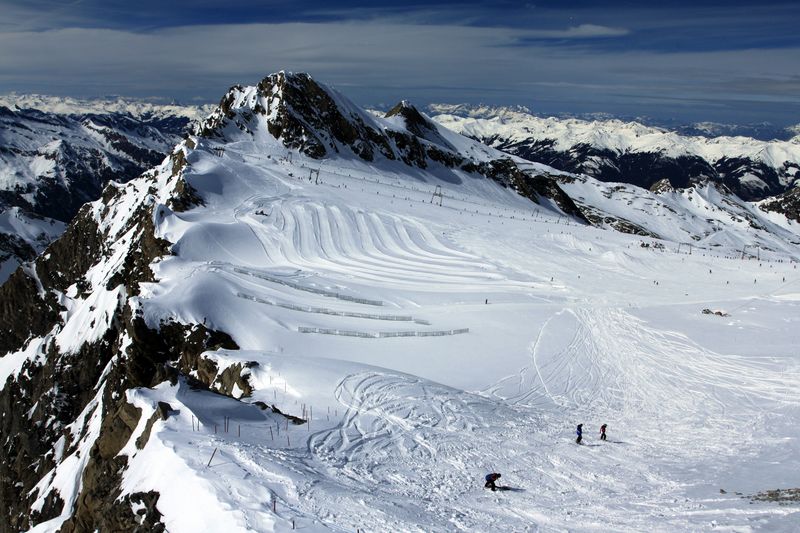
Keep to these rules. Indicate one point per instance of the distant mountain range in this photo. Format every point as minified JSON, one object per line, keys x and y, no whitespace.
{"x":142,"y":110}
{"x":58,"y":153}
{"x":763,"y":131}
{"x":629,"y":152}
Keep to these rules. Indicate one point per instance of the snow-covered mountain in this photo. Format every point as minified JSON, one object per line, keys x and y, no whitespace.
{"x":57,"y":154}
{"x":310,"y":317}
{"x":706,"y":215}
{"x":149,"y":112}
{"x":629,"y":152}
{"x":764,"y":131}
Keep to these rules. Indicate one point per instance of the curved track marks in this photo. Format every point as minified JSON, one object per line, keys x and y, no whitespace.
{"x":400,"y":414}
{"x":373,"y":247}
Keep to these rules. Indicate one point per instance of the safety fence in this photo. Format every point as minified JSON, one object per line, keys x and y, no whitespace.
{"x":334,"y":312}
{"x":382,"y":334}
{"x":323,"y":292}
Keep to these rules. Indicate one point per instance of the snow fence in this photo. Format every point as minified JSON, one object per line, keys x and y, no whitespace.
{"x":334,"y":312}
{"x":382,"y":334}
{"x":323,"y":292}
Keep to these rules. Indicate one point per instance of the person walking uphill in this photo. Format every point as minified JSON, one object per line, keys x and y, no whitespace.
{"x":603,"y":432}
{"x":490,"y":479}
{"x":579,"y":432}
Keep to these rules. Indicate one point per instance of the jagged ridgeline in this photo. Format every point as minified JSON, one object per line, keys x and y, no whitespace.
{"x":318,"y":121}
{"x":75,"y":329}
{"x":77,"y":339}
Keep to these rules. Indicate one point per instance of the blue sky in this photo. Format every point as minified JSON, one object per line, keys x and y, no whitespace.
{"x":696,"y":60}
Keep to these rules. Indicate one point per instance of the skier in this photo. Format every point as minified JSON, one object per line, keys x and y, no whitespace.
{"x":579,"y":433}
{"x":603,"y":432}
{"x":490,"y":479}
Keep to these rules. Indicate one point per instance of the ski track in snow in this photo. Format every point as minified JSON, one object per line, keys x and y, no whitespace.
{"x":396,"y":451}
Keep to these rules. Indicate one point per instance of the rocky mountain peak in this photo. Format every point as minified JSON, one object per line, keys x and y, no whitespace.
{"x":662,"y":185}
{"x":787,"y":204}
{"x":418,"y":123}
{"x":407,"y":110}
{"x":299,"y":112}
{"x":317,"y":121}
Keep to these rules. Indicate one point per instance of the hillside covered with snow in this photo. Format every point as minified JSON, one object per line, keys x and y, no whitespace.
{"x":309,"y":317}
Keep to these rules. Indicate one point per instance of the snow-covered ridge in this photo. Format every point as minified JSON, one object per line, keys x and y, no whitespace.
{"x":65,"y":105}
{"x":761,"y":131}
{"x":297,"y":112}
{"x":480,"y":111}
{"x":614,"y":150}
{"x":612,"y":134}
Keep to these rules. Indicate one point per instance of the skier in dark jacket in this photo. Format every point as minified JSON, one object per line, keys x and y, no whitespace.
{"x":579,"y":432}
{"x":603,"y":432}
{"x":490,"y":479}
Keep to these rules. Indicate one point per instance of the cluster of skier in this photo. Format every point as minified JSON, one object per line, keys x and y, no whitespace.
{"x":492,"y":478}
{"x":579,"y":432}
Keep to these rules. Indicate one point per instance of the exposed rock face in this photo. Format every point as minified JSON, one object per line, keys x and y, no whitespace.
{"x":787,"y":204}
{"x":547,"y":186}
{"x":662,"y":186}
{"x":317,"y":121}
{"x":61,"y":389}
{"x":14,"y":246}
{"x":300,"y":113}
{"x":600,"y":219}
{"x":418,"y":124}
{"x":779,"y":496}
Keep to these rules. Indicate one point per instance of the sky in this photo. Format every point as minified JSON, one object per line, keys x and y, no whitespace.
{"x":683,"y":60}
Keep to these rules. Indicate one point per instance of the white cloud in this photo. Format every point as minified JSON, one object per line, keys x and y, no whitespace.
{"x":386,"y":61}
{"x":584,"y":31}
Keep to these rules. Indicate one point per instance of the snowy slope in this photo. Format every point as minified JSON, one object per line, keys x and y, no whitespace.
{"x":419,"y":346}
{"x":703,"y":216}
{"x":613,"y":150}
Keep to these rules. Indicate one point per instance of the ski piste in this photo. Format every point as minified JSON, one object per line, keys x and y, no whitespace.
{"x":359,"y":308}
